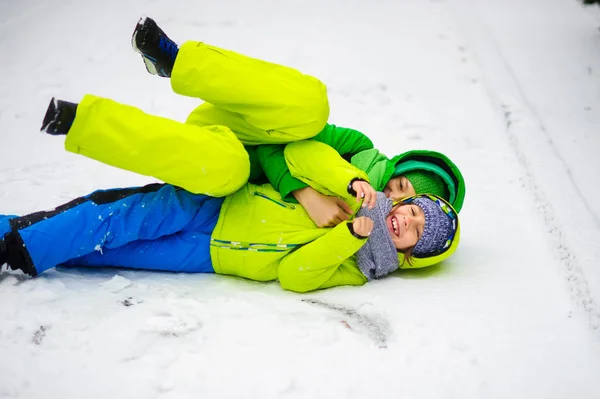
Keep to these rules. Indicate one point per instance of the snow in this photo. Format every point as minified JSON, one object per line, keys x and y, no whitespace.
{"x":509,"y":90}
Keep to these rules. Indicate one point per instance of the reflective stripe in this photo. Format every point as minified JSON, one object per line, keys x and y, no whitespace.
{"x":248,"y":246}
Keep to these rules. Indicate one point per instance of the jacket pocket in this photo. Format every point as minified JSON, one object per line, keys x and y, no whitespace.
{"x":278,"y":202}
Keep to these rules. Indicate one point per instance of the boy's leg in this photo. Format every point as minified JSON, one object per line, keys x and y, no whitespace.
{"x":277,"y":104}
{"x":204,"y":160}
{"x":182,"y":252}
{"x":186,"y":251}
{"x":260,"y":101}
{"x":105,"y":219}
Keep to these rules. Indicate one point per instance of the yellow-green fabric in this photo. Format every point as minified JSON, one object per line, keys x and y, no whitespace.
{"x":261,"y":237}
{"x":253,"y":100}
{"x":204,"y":160}
{"x":417,"y":263}
{"x":322,"y":168}
{"x":261,"y":102}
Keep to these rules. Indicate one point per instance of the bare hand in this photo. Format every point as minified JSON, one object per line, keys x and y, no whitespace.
{"x":365,"y":191}
{"x":323,"y":210}
{"x":362,"y":226}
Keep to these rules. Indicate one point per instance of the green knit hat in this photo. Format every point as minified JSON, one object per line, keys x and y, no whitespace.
{"x":427,"y":178}
{"x":426,"y":182}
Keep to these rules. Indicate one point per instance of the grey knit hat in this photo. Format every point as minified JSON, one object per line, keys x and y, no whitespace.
{"x":439,"y":229}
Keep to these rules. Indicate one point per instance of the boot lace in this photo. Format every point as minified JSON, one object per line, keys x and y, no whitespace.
{"x":168,"y":47}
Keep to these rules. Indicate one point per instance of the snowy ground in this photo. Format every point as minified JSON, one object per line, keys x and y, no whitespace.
{"x":509,"y":89}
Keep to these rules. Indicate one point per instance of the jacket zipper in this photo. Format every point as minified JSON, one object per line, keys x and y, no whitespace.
{"x":280,"y":203}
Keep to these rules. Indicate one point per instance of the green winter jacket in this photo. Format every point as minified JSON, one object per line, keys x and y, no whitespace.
{"x":267,"y":161}
{"x":261,"y":237}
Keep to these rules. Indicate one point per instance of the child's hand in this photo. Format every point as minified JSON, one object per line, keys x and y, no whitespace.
{"x":362,"y":226}
{"x":323,"y":210}
{"x":364,"y":190}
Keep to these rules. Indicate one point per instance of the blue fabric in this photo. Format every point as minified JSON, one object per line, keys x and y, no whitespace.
{"x":168,"y":230}
{"x":5,"y":224}
{"x":186,"y":251}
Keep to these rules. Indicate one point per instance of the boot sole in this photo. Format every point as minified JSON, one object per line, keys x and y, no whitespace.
{"x":50,"y":116}
{"x":150,"y":67}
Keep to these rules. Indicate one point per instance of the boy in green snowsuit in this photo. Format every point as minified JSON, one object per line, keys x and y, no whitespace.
{"x":407,"y":174}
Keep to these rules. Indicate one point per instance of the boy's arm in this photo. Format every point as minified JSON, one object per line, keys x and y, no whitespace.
{"x":324,"y":211}
{"x":323,"y":263}
{"x":321,"y":167}
{"x":272,"y":162}
{"x":347,"y":142}
{"x":257,"y":175}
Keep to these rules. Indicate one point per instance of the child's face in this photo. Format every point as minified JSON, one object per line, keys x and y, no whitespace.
{"x":399,"y":187}
{"x":405,"y":224}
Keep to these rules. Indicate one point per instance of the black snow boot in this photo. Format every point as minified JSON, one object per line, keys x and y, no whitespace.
{"x":59,"y":117}
{"x":157,"y":50}
{"x":14,"y":253}
{"x":3,"y":252}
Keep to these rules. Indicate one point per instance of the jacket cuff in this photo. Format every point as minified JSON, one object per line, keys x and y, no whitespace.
{"x":350,"y":189}
{"x":351,"y":228}
{"x":289,"y":184}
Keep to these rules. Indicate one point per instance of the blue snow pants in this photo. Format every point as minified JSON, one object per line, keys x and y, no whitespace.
{"x":154,"y":227}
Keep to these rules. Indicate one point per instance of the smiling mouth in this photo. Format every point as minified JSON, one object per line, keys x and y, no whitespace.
{"x":395,"y":226}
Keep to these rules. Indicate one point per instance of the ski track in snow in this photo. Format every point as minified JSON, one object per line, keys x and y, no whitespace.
{"x":575,"y":277}
{"x":506,"y":98}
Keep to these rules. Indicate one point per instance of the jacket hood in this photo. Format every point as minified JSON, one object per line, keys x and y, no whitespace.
{"x":438,"y":160}
{"x":417,"y":263}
